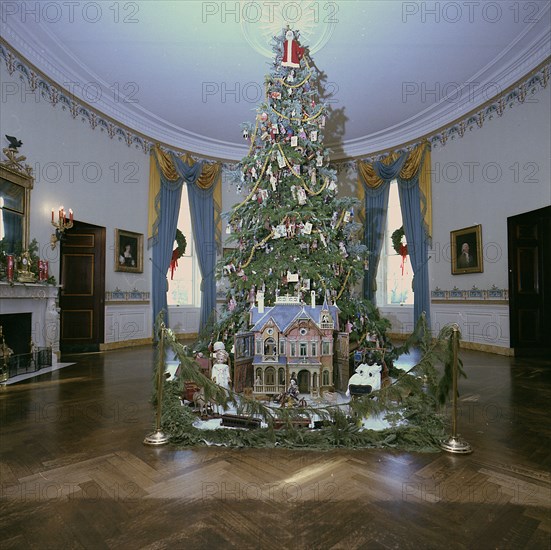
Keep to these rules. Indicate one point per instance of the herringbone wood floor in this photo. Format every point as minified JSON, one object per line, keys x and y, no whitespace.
{"x":75,"y":474}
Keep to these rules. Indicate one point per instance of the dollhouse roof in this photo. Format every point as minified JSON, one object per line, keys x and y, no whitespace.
{"x":283,"y":315}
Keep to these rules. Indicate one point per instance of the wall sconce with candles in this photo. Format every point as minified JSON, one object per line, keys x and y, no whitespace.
{"x":61,"y":225}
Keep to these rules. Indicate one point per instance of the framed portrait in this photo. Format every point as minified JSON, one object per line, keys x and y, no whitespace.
{"x":466,"y":247}
{"x":128,"y":251}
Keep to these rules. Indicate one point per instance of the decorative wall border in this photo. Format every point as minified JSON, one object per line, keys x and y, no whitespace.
{"x":475,"y":294}
{"x":57,"y":95}
{"x":134,"y":295}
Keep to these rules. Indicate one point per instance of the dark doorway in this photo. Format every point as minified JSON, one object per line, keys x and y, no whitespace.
{"x":303,"y":381}
{"x":529,"y":240}
{"x":82,"y":296}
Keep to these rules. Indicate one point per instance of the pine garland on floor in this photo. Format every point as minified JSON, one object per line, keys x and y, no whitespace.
{"x":412,"y":405}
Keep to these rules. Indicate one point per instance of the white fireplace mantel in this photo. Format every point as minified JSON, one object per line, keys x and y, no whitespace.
{"x":39,"y":300}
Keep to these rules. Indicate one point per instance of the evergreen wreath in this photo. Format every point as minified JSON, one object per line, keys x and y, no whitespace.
{"x":180,"y":250}
{"x":397,"y":237}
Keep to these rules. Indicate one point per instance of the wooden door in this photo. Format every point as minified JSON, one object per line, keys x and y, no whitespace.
{"x":82,"y":296}
{"x":529,"y":239}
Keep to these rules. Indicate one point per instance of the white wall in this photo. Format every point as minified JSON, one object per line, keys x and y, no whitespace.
{"x":494,"y":172}
{"x":103,"y":180}
{"x":509,"y":160}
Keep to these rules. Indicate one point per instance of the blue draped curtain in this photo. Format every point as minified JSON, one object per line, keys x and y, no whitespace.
{"x":376,"y":206}
{"x":417,"y":240}
{"x":201,"y":202}
{"x":376,"y":201}
{"x":168,"y":205}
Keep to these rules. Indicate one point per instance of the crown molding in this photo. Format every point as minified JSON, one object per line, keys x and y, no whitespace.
{"x":527,"y":69}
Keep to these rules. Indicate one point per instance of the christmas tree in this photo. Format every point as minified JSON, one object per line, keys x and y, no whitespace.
{"x":293,"y":235}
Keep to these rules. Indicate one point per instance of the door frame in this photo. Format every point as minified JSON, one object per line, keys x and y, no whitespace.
{"x":99,"y":278}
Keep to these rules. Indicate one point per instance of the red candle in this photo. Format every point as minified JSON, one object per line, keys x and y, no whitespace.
{"x":70,"y":215}
{"x":10,"y":267}
{"x":52,"y":215}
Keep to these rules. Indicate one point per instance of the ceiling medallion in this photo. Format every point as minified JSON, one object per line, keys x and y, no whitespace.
{"x":261,"y":21}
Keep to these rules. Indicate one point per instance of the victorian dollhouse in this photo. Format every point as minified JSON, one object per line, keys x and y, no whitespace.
{"x":293,"y":340}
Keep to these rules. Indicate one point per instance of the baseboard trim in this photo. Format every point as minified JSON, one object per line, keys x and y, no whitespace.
{"x":126,"y":344}
{"x":475,"y":346}
{"x":487,"y":348}
{"x":187,"y":336}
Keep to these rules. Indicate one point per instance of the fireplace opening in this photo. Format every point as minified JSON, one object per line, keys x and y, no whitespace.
{"x":16,"y":328}
{"x":24,"y":356}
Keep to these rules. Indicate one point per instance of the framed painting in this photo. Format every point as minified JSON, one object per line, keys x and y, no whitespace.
{"x":466,"y":247}
{"x":128,"y":251}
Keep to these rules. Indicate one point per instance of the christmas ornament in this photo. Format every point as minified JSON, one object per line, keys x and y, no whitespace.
{"x":292,"y":277}
{"x":301,"y":196}
{"x":313,"y":177}
{"x":292,"y":52}
{"x":342,"y":249}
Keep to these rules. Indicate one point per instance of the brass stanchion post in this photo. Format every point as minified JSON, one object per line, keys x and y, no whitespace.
{"x":455,"y":444}
{"x":158,"y":437}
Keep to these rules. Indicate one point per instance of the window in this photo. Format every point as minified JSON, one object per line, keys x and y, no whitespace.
{"x":258,"y":350}
{"x":314,"y":349}
{"x":184,"y":288}
{"x":325,"y":378}
{"x":325,"y":348}
{"x":303,"y":349}
{"x":269,"y":346}
{"x":393,"y":282}
{"x":282,"y":347}
{"x":270,"y":376}
{"x":293,"y":349}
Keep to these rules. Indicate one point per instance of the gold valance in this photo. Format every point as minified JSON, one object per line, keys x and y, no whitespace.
{"x":417,"y":161}
{"x":210,"y":177}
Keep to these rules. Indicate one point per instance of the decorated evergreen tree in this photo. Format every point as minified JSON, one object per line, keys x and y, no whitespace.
{"x":292,"y":233}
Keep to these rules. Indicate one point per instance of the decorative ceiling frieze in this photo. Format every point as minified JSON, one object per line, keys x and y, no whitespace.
{"x":57,"y":96}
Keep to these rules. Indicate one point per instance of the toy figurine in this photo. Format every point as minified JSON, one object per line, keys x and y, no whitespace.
{"x":221,"y":370}
{"x":292,"y":52}
{"x":366,"y":376}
